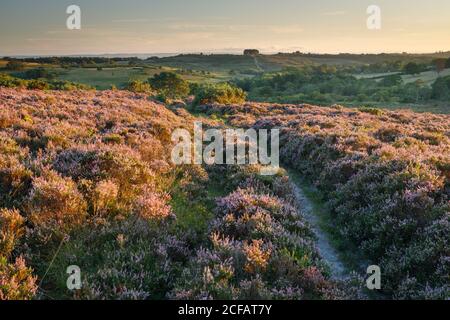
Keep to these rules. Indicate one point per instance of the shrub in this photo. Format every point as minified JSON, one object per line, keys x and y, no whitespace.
{"x":220,"y":93}
{"x":16,"y":280}
{"x":138,"y":86}
{"x":11,"y":229}
{"x":11,"y":82}
{"x":153,"y":206}
{"x":55,"y":205}
{"x":38,"y":85}
{"x":170,"y":85}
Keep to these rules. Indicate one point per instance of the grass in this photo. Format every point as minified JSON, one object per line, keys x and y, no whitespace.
{"x":119,"y":76}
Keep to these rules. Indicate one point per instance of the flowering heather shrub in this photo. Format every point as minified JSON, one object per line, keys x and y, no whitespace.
{"x":55,"y":204}
{"x":82,"y":161}
{"x":11,"y":229}
{"x":16,"y":280}
{"x":104,"y":197}
{"x":94,"y":167}
{"x":260,"y":249}
{"x":128,"y":260}
{"x":385,"y":176}
{"x":153,"y":206}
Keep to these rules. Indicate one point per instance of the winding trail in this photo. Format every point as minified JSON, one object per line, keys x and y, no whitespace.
{"x":326,"y":250}
{"x":258,"y":66}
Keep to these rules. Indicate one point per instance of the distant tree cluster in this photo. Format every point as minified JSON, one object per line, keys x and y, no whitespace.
{"x":251,"y":52}
{"x":75,"y":61}
{"x":40,"y":84}
{"x":327,"y":85}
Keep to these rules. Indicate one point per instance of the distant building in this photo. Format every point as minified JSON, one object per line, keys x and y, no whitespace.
{"x":251,"y":52}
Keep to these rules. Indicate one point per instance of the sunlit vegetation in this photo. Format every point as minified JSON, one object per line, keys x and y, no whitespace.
{"x":384,"y":176}
{"x":86,"y":179}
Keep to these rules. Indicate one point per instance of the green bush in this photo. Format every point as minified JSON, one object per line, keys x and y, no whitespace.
{"x":223,"y":93}
{"x":11,"y":82}
{"x":40,"y":84}
{"x":169,"y":85}
{"x":138,"y":86}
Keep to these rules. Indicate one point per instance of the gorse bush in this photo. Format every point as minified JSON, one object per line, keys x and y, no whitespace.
{"x":139,"y":87}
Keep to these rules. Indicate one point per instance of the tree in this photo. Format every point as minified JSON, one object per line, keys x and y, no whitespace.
{"x":447,"y":63}
{"x":412,"y":68}
{"x":170,"y":84}
{"x":441,"y":88}
{"x":439,"y":65}
{"x":251,"y":52}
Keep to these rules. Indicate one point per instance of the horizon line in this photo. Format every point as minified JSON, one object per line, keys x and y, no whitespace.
{"x":206,"y":52}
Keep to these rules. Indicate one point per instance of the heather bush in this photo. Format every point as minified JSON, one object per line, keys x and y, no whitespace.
{"x":11,"y":230}
{"x":153,"y":206}
{"x":54,"y":204}
{"x":260,"y":248}
{"x":131,"y":259}
{"x":16,"y":280}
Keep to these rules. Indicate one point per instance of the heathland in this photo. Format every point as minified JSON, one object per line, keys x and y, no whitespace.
{"x":86,"y":179}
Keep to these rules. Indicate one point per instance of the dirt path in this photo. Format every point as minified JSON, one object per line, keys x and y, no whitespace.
{"x":258,"y":66}
{"x":326,"y":250}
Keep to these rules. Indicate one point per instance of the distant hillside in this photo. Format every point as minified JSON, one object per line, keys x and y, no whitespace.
{"x":220,"y":62}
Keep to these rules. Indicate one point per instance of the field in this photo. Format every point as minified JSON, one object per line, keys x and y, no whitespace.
{"x":86,"y":179}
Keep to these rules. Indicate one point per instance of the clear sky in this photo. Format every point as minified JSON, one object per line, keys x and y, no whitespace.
{"x":38,"y":27}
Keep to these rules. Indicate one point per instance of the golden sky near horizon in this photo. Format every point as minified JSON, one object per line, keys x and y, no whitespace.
{"x":171,"y":26}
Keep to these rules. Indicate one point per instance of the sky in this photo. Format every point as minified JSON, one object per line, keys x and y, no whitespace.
{"x":38,"y":27}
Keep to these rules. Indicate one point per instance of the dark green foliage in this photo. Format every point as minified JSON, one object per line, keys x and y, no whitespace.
{"x":170,"y":85}
{"x":412,"y":68}
{"x":223,"y":93}
{"x":39,"y":73}
{"x":441,"y":88}
{"x":40,"y":84}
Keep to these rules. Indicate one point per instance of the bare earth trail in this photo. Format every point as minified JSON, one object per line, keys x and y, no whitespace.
{"x":326,"y":250}
{"x":258,"y":66}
